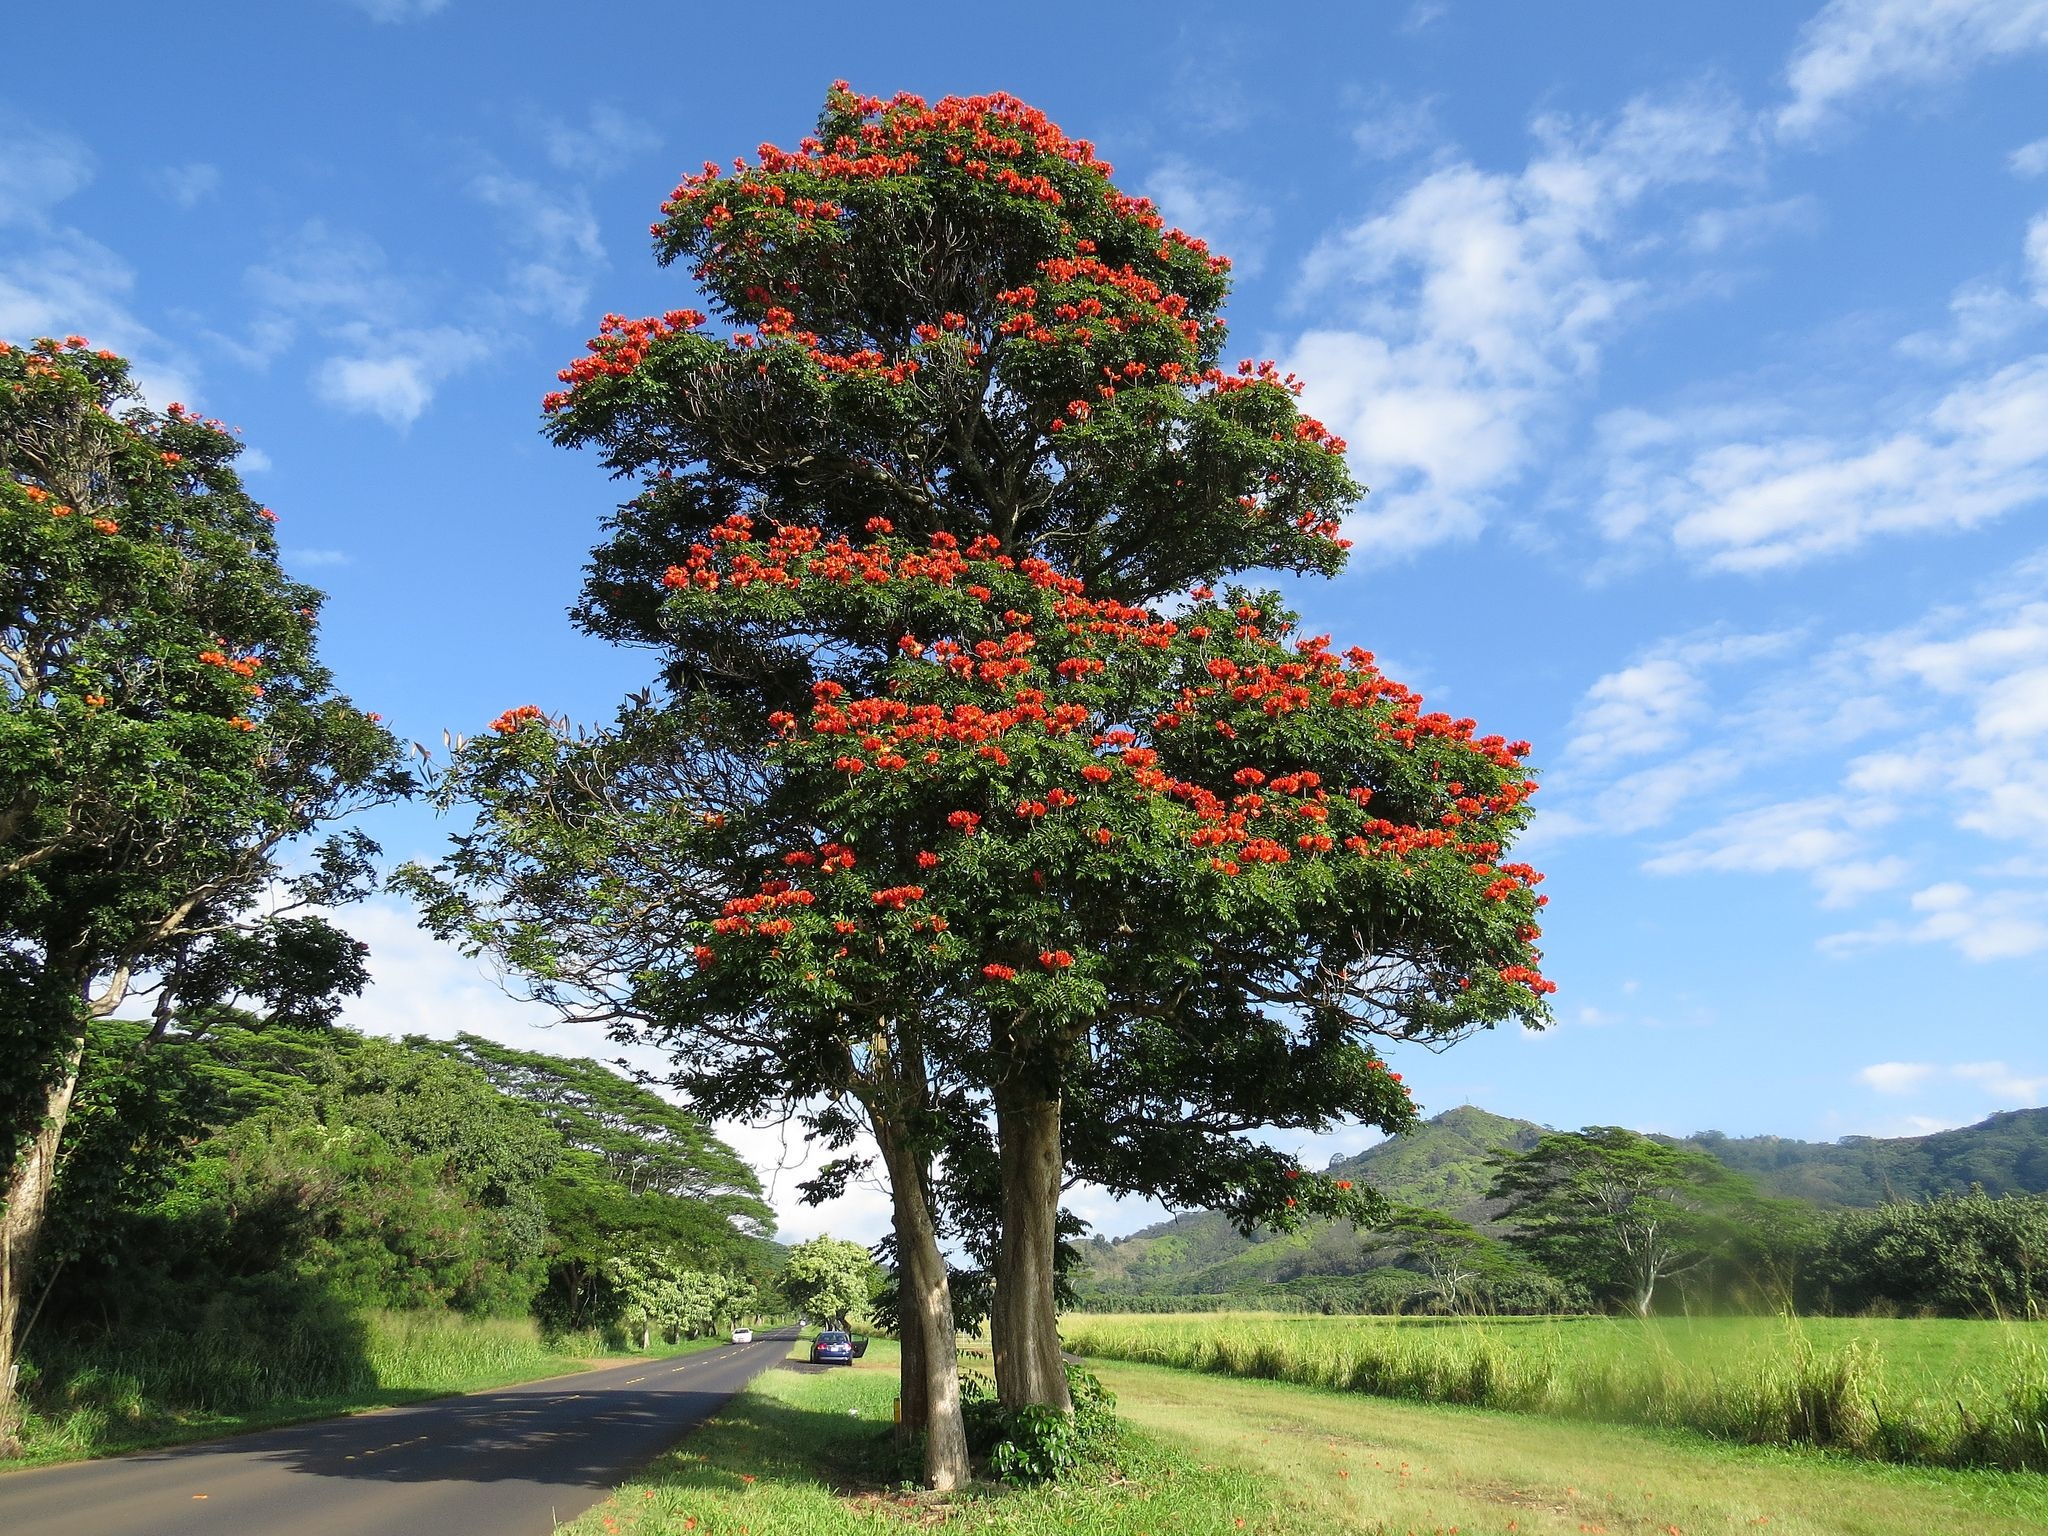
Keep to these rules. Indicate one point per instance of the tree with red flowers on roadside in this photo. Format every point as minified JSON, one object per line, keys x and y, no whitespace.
{"x":937,"y":816}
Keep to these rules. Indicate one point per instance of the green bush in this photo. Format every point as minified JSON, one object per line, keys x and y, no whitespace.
{"x":1038,"y":1444}
{"x":1956,"y":1256}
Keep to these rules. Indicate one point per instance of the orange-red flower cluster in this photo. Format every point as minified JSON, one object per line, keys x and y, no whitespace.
{"x":988,"y":684}
{"x":514,"y":719}
{"x":619,"y":347}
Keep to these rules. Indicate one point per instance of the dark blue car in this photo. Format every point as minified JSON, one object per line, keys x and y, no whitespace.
{"x":832,"y":1348}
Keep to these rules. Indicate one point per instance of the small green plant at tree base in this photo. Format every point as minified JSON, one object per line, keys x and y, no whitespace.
{"x":1038,"y":1444}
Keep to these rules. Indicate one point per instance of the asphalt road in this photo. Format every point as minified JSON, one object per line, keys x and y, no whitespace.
{"x":510,"y":1462}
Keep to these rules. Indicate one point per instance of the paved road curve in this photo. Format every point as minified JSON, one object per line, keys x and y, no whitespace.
{"x":511,"y":1462}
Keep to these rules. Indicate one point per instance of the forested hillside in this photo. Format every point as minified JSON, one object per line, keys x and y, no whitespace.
{"x":1443,"y":1166}
{"x":2006,"y":1154}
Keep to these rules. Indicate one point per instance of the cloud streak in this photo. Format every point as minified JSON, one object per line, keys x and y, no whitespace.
{"x":1857,"y":48}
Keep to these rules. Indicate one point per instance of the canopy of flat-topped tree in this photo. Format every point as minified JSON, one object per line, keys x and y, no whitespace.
{"x":1618,"y":1211}
{"x":643,"y":1143}
{"x":947,"y":315}
{"x":1175,"y":841}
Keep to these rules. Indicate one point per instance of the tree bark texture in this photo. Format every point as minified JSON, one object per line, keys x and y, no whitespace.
{"x":916,"y":1400}
{"x":21,"y":1227}
{"x":1024,"y":1318}
{"x":925,"y":1304}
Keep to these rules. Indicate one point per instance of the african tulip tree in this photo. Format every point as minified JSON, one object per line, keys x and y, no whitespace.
{"x":1018,"y":839}
{"x":961,"y":417}
{"x":166,"y":731}
{"x":1174,"y":867}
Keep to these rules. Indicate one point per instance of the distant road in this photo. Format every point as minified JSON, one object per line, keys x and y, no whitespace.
{"x":510,"y":1462}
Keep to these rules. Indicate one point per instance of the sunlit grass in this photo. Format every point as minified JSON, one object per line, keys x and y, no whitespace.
{"x":811,"y":1453}
{"x":1951,"y":1392}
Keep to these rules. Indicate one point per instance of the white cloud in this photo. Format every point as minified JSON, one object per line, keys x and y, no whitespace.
{"x":555,"y":236}
{"x":1876,"y":749}
{"x":1993,"y":1078}
{"x":606,"y":140}
{"x":394,"y":374}
{"x":1648,"y":707}
{"x":339,"y":289}
{"x":189,"y":185}
{"x":54,"y":279}
{"x":320,"y":272}
{"x":1983,"y":316}
{"x":1390,"y":127}
{"x":1981,"y":926}
{"x":1650,"y":797}
{"x":1424,"y":14}
{"x":1846,"y":883}
{"x":1822,"y":837}
{"x":2037,"y":257}
{"x":253,"y":461}
{"x":1643,"y":708}
{"x":1212,"y":207}
{"x":399,"y":10}
{"x":1999,"y":1080}
{"x":1896,"y":1076}
{"x":1857,"y":46}
{"x":1747,"y":224}
{"x":1976,"y":453}
{"x":38,"y":170}
{"x":1961,"y":650}
{"x":2030,"y":160}
{"x":1479,"y":300}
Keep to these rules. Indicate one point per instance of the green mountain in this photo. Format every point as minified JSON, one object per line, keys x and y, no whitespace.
{"x":2007,"y":1154}
{"x":1442,"y":1165}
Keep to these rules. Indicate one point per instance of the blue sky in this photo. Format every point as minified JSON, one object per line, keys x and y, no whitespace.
{"x":1697,"y":356}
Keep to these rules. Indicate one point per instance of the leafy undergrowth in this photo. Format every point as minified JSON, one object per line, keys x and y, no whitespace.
{"x":133,"y":1393}
{"x":805,"y":1453}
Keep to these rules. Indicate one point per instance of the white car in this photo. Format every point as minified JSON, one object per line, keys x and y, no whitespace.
{"x":743,"y":1335}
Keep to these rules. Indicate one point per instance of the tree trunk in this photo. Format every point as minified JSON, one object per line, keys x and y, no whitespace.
{"x":924,"y":1302}
{"x":1024,"y":1318}
{"x":917,"y":1411}
{"x":21,"y":1225}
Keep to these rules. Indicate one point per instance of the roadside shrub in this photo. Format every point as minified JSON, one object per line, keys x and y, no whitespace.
{"x":1037,"y":1444}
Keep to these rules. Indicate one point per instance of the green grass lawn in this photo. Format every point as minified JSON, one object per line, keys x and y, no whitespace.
{"x":1942,"y":1392}
{"x":805,"y":1453}
{"x":104,"y":1404}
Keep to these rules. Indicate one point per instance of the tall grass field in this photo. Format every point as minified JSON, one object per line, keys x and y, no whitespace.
{"x":1934,"y":1392}
{"x":151,"y":1388}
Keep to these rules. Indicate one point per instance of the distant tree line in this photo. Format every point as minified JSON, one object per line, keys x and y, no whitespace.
{"x":1606,"y":1218}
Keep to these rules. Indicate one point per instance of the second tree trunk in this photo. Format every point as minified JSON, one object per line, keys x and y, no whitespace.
{"x":1024,"y":1319}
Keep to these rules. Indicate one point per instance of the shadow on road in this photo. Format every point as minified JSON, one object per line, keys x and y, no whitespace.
{"x":567,"y":1436}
